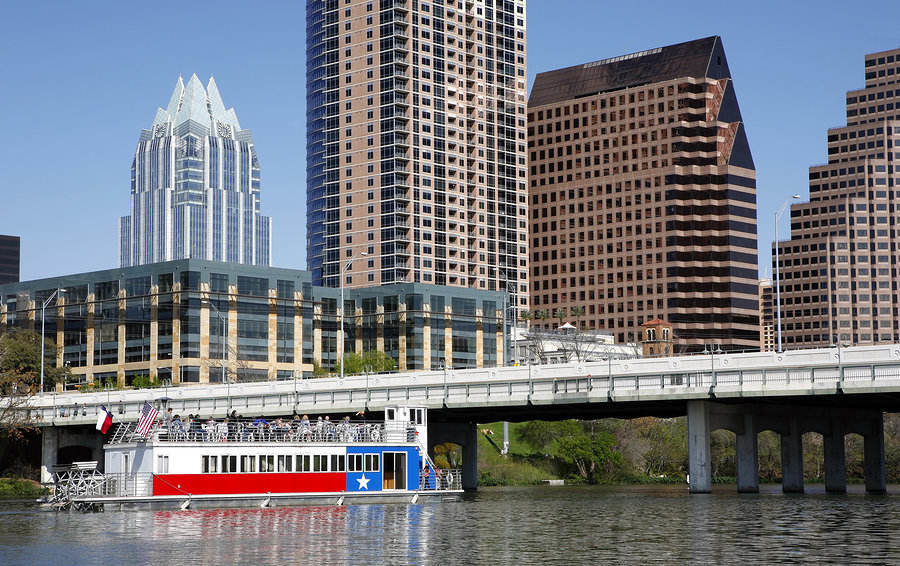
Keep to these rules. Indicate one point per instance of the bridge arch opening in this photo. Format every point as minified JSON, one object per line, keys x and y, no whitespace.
{"x":854,"y":450}
{"x":769,"y":454}
{"x":447,"y":455}
{"x":723,"y":448}
{"x":814,"y":457}
{"x":66,"y":455}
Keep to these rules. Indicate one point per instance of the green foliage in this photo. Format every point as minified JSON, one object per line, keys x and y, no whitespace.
{"x":373,"y":361}
{"x":319,"y":371}
{"x":18,"y":488}
{"x":20,"y":363}
{"x":144,"y":382}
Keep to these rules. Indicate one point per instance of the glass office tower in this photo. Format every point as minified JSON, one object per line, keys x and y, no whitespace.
{"x":195,"y":186}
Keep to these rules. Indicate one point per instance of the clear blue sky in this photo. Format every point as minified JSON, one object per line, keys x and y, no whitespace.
{"x":80,"y":80}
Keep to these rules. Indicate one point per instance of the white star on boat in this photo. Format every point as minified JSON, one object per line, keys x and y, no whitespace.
{"x":363,"y":482}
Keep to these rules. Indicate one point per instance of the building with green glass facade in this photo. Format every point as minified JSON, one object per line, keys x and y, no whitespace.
{"x":175,"y":321}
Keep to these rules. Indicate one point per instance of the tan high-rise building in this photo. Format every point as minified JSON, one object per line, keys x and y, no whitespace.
{"x":416,"y":143}
{"x":839,"y":269}
{"x":643,"y":196}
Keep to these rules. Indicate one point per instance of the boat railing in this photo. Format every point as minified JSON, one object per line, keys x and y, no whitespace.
{"x":260,"y":430}
{"x":439,"y":479}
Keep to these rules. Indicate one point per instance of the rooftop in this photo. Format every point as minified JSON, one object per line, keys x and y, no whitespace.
{"x":688,"y":59}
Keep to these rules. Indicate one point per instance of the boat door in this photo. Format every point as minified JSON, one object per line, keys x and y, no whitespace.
{"x":394,"y":470}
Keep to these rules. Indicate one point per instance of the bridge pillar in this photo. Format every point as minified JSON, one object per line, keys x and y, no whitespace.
{"x":466,"y":436}
{"x":792,"y":458}
{"x":747,"y":456}
{"x":699,"y":467}
{"x":49,"y":449}
{"x":876,"y":478}
{"x":835,"y":458}
{"x":470,"y":458}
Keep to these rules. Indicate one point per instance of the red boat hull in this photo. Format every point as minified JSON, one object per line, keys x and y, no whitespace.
{"x":214,"y":484}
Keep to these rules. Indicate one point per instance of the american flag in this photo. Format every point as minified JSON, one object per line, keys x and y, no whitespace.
{"x":148,"y":418}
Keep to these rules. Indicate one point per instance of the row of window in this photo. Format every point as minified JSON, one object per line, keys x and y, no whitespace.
{"x":268,"y":463}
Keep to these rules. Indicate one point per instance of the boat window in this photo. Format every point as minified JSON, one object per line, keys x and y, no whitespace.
{"x":337,"y":462}
{"x":285,"y":463}
{"x":248,"y":464}
{"x":210,"y":464}
{"x":229,"y":464}
{"x":354,"y":462}
{"x":390,"y":415}
{"x":303,"y":463}
{"x":320,"y":463}
{"x":162,"y":464}
{"x":266,"y":464}
{"x":372,"y":462}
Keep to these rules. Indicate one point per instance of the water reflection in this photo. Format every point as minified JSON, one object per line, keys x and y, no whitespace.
{"x":572,"y":525}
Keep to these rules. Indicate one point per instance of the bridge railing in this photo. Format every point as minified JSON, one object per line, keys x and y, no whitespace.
{"x":819,"y":371}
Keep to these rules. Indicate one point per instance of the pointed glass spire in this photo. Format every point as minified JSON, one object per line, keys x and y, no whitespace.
{"x":175,"y":99}
{"x":193,"y":104}
{"x":216,"y":106}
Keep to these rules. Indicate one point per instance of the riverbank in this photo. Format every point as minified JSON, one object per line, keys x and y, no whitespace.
{"x":19,"y":488}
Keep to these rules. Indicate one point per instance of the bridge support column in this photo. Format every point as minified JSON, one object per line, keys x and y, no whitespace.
{"x":466,"y":436}
{"x":49,"y":449}
{"x":470,"y":458}
{"x":792,"y":458}
{"x":698,"y":447}
{"x":876,"y":478}
{"x":747,"y":456}
{"x":835,"y":458}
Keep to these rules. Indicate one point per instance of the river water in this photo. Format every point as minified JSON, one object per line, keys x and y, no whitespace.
{"x":521,"y":526}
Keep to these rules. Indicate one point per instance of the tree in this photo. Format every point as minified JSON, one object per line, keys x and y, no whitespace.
{"x":526,"y":316}
{"x":578,"y":312}
{"x":20,"y":371}
{"x":373,"y":361}
{"x":560,"y":314}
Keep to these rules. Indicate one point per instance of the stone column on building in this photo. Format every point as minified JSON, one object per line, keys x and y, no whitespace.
{"x":272,"y":365}
{"x":89,"y":337}
{"x":176,"y":332}
{"x":379,"y":328}
{"x":501,"y":342}
{"x":317,"y":333}
{"x":154,"y":332}
{"x":401,"y":337}
{"x":357,"y":337}
{"x":60,"y":335}
{"x":231,"y":345}
{"x":206,"y":311}
{"x":426,"y":336}
{"x":120,"y":336}
{"x":479,"y":338}
{"x":448,"y":336}
{"x":298,"y":331}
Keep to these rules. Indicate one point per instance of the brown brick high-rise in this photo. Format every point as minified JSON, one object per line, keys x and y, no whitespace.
{"x":416,"y":143}
{"x":839,"y":269}
{"x":643,"y":196}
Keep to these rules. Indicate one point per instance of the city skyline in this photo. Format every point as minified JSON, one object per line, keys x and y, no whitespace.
{"x":61,"y":105}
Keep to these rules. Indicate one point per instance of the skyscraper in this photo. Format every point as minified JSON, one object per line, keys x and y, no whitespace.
{"x":10,"y":259}
{"x":839,"y":269}
{"x":416,"y":143}
{"x":195,"y":186}
{"x":643,"y":197}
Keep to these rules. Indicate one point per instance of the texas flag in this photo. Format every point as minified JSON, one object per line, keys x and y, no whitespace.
{"x":104,"y":420}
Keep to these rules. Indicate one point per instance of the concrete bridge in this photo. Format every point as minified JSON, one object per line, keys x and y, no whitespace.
{"x":830,"y":391}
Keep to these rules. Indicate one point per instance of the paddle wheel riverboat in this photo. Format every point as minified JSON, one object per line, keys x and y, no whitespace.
{"x":237,"y":462}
